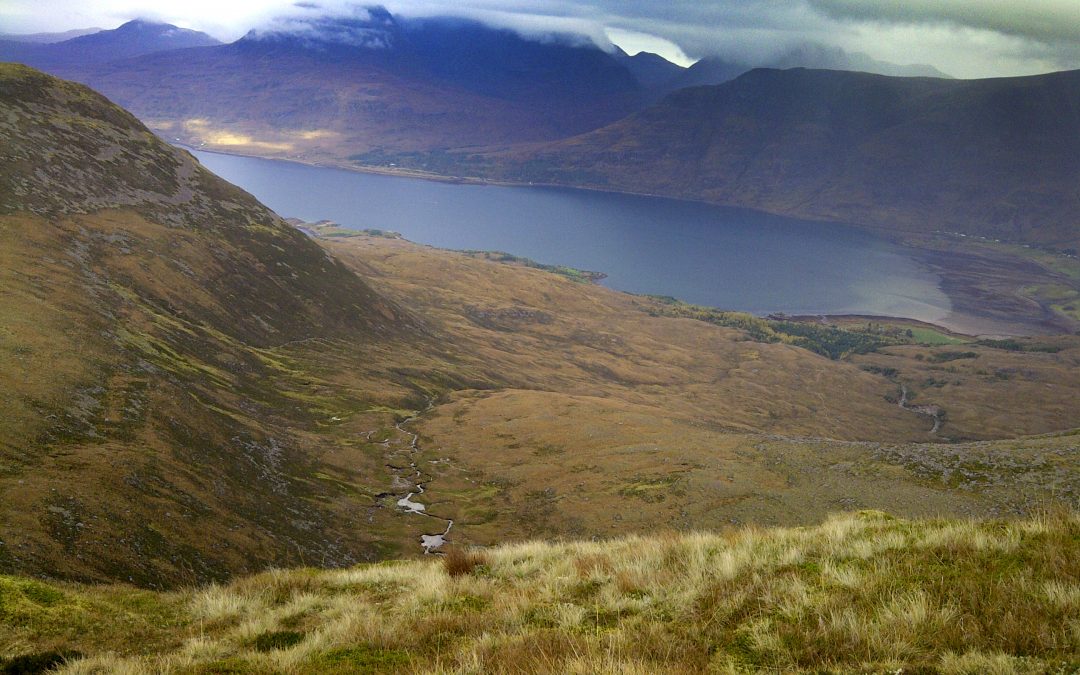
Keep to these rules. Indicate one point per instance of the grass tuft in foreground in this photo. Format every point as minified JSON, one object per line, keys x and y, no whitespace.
{"x":459,"y":562}
{"x":862,"y":592}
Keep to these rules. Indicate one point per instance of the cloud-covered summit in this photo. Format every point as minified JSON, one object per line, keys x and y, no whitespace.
{"x":970,"y":38}
{"x":363,"y":27}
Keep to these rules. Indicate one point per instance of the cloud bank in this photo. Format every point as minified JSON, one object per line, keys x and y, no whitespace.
{"x":968,"y":38}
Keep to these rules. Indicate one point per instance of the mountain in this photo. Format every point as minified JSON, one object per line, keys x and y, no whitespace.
{"x":153,"y":429}
{"x":134,"y":38}
{"x":706,"y":71}
{"x":998,"y":158}
{"x":467,"y":54}
{"x":48,"y":38}
{"x":335,"y":87}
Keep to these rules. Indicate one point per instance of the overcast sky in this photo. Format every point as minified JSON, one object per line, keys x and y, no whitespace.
{"x":966,"y":38}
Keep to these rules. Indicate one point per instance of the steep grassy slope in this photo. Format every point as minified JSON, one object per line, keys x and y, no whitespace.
{"x":146,"y":403}
{"x":859,"y":593}
{"x":69,"y":152}
{"x":999,"y":157}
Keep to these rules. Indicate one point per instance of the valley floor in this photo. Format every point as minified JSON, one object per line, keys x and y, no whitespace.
{"x":544,"y":407}
{"x":596,"y":415}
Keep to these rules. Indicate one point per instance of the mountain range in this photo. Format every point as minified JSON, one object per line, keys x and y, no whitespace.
{"x":47,"y":38}
{"x":327,"y":88}
{"x":362,"y":84}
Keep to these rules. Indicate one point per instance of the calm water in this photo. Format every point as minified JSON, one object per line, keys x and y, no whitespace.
{"x":723,"y":257}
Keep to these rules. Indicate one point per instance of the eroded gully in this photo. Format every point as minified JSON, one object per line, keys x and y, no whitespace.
{"x":932,"y":411}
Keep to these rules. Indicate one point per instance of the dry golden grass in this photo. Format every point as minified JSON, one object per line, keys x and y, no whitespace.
{"x":459,"y":562}
{"x":994,"y":393}
{"x":860,"y":593}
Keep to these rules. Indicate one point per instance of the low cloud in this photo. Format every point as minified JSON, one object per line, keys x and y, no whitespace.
{"x":1040,"y":20}
{"x":964,"y":37}
{"x":968,"y":38}
{"x":360,"y":27}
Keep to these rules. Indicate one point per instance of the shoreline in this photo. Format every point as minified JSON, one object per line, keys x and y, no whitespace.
{"x":417,"y":174}
{"x":316,"y":230}
{"x":968,"y":315}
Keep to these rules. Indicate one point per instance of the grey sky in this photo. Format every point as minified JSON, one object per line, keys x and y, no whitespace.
{"x":967,"y":38}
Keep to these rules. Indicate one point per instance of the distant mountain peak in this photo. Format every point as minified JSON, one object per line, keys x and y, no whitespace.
{"x":453,"y":51}
{"x":380,"y":14}
{"x":140,"y":36}
{"x":142,"y":24}
{"x":820,"y":56}
{"x":48,"y":38}
{"x":149,"y":29}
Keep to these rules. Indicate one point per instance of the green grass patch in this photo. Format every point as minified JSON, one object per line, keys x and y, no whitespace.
{"x":363,"y":659}
{"x":1015,"y":345}
{"x":831,"y":341}
{"x":275,"y":640}
{"x":651,"y":491}
{"x":931,"y":337}
{"x":465,"y":603}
